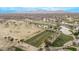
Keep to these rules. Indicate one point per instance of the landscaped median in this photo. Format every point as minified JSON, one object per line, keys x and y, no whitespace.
{"x":61,"y":40}
{"x":40,"y":38}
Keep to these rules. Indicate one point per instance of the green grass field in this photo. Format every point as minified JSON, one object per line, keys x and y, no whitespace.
{"x":61,"y":40}
{"x":71,"y":48}
{"x":39,"y":39}
{"x":18,"y":49}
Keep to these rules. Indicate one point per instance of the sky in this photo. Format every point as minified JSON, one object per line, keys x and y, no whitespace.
{"x":18,"y":6}
{"x":31,"y":9}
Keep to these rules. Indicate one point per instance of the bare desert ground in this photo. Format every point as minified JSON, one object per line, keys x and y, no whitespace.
{"x":18,"y":30}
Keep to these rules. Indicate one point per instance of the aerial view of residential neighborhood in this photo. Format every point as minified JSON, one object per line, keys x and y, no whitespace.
{"x":39,"y":28}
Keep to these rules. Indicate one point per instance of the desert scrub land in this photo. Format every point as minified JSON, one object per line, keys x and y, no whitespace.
{"x":17,"y":29}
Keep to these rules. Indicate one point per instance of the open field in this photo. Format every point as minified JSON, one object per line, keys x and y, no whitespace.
{"x":17,"y":29}
{"x":12,"y":31}
{"x":61,"y":40}
{"x":39,"y":39}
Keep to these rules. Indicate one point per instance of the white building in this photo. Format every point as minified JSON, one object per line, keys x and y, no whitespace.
{"x":65,"y":30}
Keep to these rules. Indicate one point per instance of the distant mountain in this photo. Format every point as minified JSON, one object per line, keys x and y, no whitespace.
{"x":42,"y":11}
{"x":38,"y":9}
